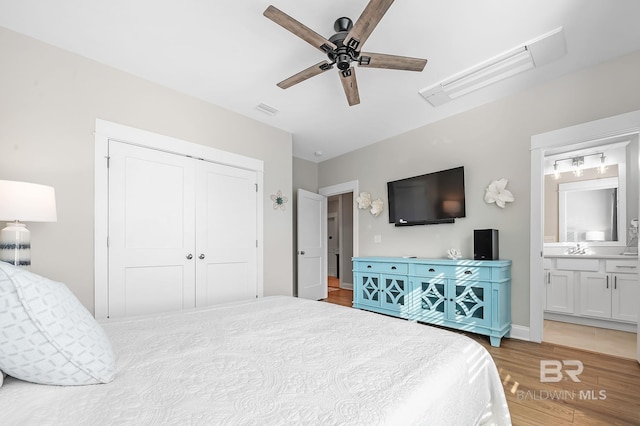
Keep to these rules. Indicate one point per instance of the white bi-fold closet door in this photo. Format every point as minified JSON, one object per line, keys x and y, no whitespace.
{"x":182,"y":231}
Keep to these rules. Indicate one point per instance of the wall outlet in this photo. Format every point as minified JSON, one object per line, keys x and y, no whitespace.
{"x":377,"y":238}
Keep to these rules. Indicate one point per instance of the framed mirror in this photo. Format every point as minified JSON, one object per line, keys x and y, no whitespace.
{"x":589,"y":211}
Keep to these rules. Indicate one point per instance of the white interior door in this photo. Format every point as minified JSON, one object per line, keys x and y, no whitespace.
{"x":312,"y":249}
{"x":151,"y":231}
{"x":226,"y":241}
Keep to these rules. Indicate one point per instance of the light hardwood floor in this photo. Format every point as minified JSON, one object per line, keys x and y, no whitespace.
{"x":608,"y":392}
{"x":595,"y":339}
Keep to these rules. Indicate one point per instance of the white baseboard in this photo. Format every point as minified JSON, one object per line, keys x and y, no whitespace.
{"x":519,"y":332}
{"x":593,"y":322}
{"x":346,"y":286}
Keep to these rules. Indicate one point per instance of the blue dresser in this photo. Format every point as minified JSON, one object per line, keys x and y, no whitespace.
{"x":470,"y":295}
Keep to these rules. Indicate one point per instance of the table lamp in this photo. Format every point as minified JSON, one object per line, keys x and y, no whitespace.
{"x":27,"y":202}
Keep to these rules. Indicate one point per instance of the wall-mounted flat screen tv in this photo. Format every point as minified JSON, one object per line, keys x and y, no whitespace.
{"x":427,"y":199}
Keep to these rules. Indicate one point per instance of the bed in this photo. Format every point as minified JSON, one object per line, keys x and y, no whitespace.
{"x":274,"y":361}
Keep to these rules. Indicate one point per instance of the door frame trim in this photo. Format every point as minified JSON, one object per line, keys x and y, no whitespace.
{"x":344,"y":188}
{"x":105,"y":131}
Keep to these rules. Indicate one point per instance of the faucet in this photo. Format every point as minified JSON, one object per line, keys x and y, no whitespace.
{"x":577,"y":249}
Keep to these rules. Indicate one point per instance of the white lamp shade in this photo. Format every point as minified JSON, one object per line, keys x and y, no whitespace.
{"x":27,"y":202}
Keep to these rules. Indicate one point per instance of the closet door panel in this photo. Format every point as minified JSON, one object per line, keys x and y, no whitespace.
{"x":226,"y":240}
{"x":151,"y":231}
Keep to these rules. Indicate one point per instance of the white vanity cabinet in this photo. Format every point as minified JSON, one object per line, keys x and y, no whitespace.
{"x":595,"y":294}
{"x":626,"y":289}
{"x":602,"y":292}
{"x":612,"y":294}
{"x":625,"y":296}
{"x":559,"y":291}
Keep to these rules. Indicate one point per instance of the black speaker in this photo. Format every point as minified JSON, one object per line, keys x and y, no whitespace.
{"x":485,"y":244}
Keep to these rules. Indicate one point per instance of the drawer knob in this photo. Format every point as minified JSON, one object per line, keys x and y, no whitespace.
{"x":369,"y":266}
{"x":467,"y":272}
{"x":393,"y":267}
{"x":431,"y":270}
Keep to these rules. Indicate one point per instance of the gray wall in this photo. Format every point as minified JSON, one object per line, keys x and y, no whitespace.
{"x":49,"y":101}
{"x":491,"y":142}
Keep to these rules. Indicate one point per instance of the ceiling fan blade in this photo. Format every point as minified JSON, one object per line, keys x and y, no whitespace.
{"x":393,"y":62}
{"x":350,"y":86}
{"x":312,"y":71}
{"x":366,"y":23}
{"x":299,"y":29}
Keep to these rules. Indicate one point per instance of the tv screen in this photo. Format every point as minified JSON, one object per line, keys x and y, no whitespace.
{"x":432,"y":198}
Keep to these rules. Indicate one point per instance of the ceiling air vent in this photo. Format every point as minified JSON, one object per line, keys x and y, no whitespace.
{"x":267,"y":109}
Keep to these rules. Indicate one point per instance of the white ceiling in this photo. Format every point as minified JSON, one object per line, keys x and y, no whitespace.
{"x":226,"y":52}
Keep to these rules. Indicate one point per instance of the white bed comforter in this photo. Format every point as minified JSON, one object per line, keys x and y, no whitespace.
{"x":274,"y":361}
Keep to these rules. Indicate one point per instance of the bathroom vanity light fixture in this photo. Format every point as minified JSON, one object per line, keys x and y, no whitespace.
{"x":603,"y":166}
{"x":577,"y":164}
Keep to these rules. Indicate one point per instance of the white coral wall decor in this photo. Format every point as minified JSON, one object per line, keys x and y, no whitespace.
{"x":364,"y":200}
{"x":454,"y":253}
{"x":497,"y":193}
{"x":376,"y":206}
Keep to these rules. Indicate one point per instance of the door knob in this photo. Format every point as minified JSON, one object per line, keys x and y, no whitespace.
{"x":189,"y":256}
{"x":201,"y":256}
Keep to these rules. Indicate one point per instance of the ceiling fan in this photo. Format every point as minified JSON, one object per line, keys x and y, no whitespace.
{"x":344,"y":47}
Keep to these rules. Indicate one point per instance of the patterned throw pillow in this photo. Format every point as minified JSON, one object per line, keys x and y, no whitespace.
{"x":46,"y":335}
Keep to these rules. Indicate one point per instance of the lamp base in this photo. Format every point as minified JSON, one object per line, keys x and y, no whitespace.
{"x":15,"y":244}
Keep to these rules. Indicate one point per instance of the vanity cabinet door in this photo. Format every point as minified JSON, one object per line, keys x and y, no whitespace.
{"x":625,"y":296}
{"x":559,"y":291}
{"x":595,"y":294}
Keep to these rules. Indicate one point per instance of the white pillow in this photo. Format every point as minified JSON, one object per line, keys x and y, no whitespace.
{"x":46,"y":335}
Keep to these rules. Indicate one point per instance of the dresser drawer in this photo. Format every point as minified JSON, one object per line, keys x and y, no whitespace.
{"x":382,"y":267}
{"x":449,"y":271}
{"x":622,"y":266}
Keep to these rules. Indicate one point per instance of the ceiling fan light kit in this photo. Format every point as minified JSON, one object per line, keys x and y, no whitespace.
{"x":344,"y":48}
{"x":538,"y":52}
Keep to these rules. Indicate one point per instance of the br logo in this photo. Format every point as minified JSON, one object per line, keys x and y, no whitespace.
{"x":552,"y":370}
